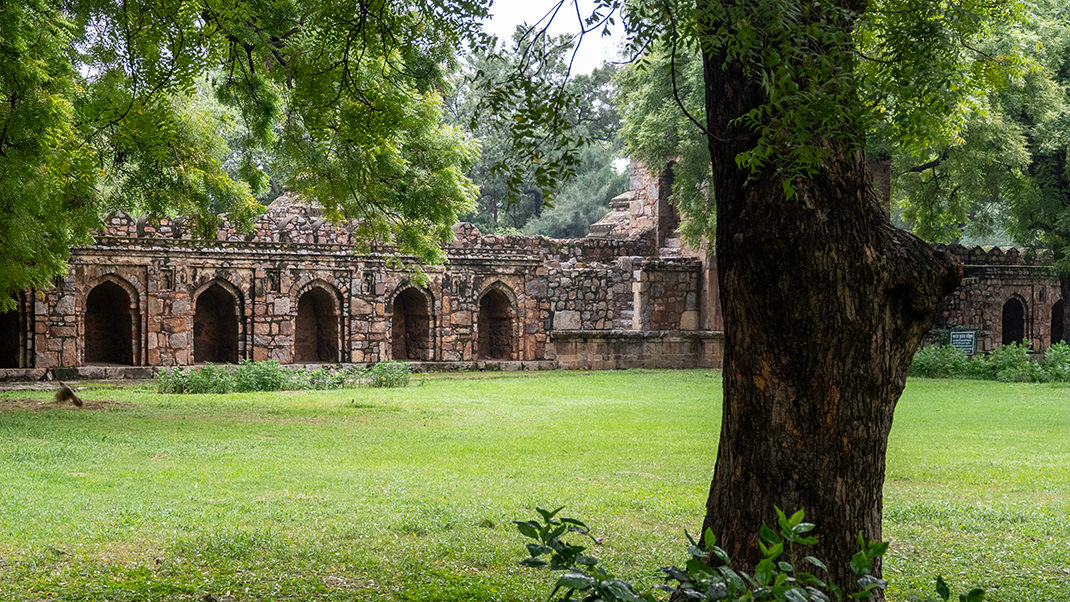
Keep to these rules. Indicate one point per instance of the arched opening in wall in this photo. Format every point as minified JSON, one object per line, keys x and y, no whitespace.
{"x":495,"y":326}
{"x":410,"y":327}
{"x":668,"y":214}
{"x":215,"y":326}
{"x":1057,"y":322}
{"x":316,"y":328}
{"x":9,"y":339}
{"x":1013,"y":321}
{"x":109,"y":325}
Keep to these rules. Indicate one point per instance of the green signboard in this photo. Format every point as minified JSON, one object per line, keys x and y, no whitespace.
{"x":966,"y":340}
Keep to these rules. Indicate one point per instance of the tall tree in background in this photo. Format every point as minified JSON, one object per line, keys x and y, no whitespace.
{"x":1005,"y":170}
{"x":511,"y":196}
{"x":97,"y":113}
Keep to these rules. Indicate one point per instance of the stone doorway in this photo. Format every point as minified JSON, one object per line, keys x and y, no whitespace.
{"x":1013,"y":321}
{"x":215,"y":326}
{"x":9,"y":339}
{"x":495,"y":326}
{"x":1057,"y":322}
{"x":316,"y":328}
{"x":410,"y":327}
{"x":109,"y":325}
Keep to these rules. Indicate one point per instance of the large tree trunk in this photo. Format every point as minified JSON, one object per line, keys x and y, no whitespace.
{"x":824,"y":305}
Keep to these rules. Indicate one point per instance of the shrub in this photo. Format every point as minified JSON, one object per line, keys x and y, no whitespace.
{"x":271,"y":376}
{"x":1057,"y":362}
{"x":210,"y":378}
{"x":327,"y":377}
{"x":389,"y":374}
{"x":1010,"y":359}
{"x":939,"y":361}
{"x":785,"y":573}
{"x":261,"y":376}
{"x":172,"y":380}
{"x":1008,"y":363}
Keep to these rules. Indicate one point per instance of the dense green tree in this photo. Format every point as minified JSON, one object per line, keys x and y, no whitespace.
{"x":510,"y":193}
{"x":584,"y":199}
{"x":1004,"y":170}
{"x":824,"y":300}
{"x":98,"y":112}
{"x":661,"y":93}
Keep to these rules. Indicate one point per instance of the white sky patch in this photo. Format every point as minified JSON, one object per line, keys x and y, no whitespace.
{"x":594,"y":50}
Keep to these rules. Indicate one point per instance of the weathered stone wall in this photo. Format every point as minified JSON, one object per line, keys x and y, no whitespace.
{"x":992,"y":278}
{"x":619,"y":349}
{"x":241,"y":297}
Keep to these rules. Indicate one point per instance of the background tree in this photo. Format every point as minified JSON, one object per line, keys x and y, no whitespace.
{"x":510,"y":195}
{"x":98,"y":113}
{"x":1005,"y":170}
{"x":661,"y":93}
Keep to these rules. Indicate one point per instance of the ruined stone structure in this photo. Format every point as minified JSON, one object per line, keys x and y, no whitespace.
{"x":1005,"y":296}
{"x":627,"y":295}
{"x":145,"y":296}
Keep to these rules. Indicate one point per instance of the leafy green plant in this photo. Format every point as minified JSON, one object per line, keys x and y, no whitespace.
{"x":1057,"y":362}
{"x":261,"y":376}
{"x":1007,"y":363}
{"x":257,"y":376}
{"x":389,"y":374}
{"x":785,"y":573}
{"x":939,"y":361}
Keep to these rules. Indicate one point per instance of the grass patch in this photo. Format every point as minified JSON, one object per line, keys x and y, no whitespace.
{"x":407,"y":494}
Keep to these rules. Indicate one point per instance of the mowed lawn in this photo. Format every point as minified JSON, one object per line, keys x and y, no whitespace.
{"x":407,"y":494}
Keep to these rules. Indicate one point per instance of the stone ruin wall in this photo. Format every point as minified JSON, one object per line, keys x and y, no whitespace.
{"x":606,"y":301}
{"x":625,"y":296}
{"x":995,"y":280}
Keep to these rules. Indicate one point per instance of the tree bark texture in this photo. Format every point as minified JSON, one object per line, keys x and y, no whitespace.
{"x":824,"y":304}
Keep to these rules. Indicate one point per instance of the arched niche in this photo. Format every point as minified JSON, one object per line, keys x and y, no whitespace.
{"x":1013,"y":321}
{"x":316,"y":326}
{"x":1057,"y":322}
{"x":410,"y":326}
{"x":12,"y":335}
{"x":110,"y":319}
{"x":495,"y":326}
{"x":215,"y":324}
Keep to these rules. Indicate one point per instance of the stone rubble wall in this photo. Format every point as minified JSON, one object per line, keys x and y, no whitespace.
{"x":991,"y":277}
{"x":595,"y":285}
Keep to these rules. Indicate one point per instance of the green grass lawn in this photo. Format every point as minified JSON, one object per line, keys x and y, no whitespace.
{"x":407,"y":494}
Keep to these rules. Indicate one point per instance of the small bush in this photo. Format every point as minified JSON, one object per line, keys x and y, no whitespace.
{"x":210,"y":378}
{"x":389,"y":374}
{"x":261,"y":376}
{"x":172,"y":380}
{"x":1057,"y":362}
{"x":1009,"y":360}
{"x":328,"y":377}
{"x":939,"y":361}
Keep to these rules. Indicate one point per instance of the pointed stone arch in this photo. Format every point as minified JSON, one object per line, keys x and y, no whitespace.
{"x":1014,"y":319}
{"x":497,"y":323}
{"x":411,"y":324}
{"x":317,"y":323}
{"x":217,"y":318}
{"x":111,"y":323}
